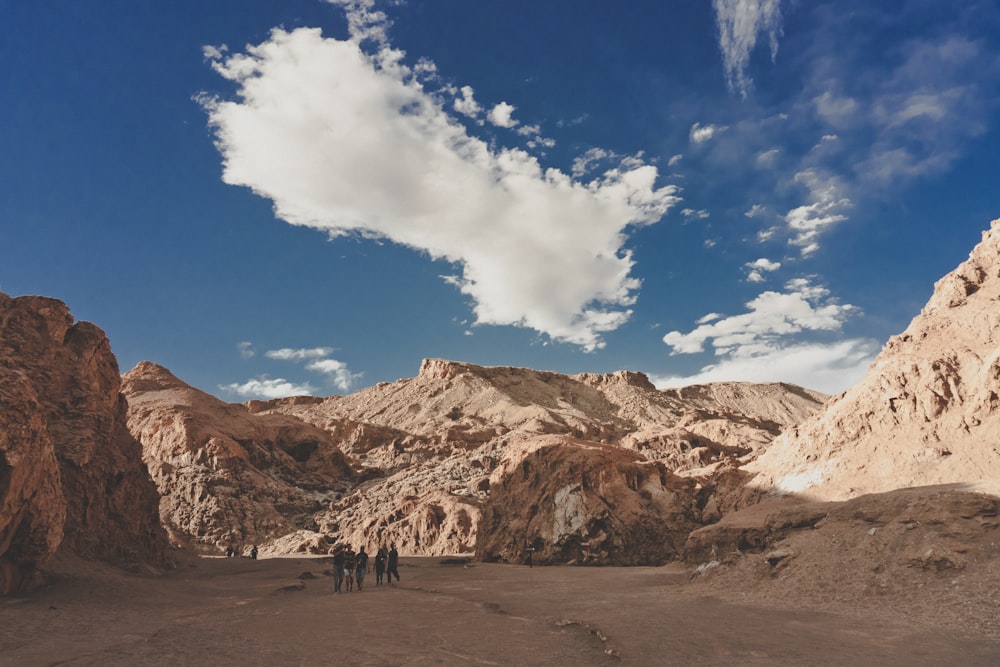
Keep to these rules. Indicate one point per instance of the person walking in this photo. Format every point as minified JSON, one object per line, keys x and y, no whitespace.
{"x":339,"y":554}
{"x":392,"y":563}
{"x":361,"y":567}
{"x":380,"y":557}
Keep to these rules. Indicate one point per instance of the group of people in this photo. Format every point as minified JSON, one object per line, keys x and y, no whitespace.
{"x":350,"y":567}
{"x":232,"y":552}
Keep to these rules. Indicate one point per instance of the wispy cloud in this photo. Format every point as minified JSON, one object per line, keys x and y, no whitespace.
{"x":765,"y":343}
{"x":826,"y":207}
{"x":701,"y":133}
{"x":740,"y":23}
{"x":318,"y":359}
{"x":827,"y":367}
{"x":268,"y":388}
{"x":771,"y":316}
{"x":336,"y":371}
{"x":348,"y":141}
{"x":300,"y":354}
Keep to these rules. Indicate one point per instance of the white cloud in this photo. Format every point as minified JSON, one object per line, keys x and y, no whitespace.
{"x":467,"y":105}
{"x":839,"y":112}
{"x":767,"y":344}
{"x":767,"y":158}
{"x":337,"y":372}
{"x":755,"y":211}
{"x":827,"y":208}
{"x":759,"y":267}
{"x":209,"y":52}
{"x":340,"y":376}
{"x":693,"y":214}
{"x":349,"y":142}
{"x":771,"y":316}
{"x":246,"y":349}
{"x":827,"y":367}
{"x":585,"y":163}
{"x":501,"y":115}
{"x":739,"y":23}
{"x":702,"y":133}
{"x":290,"y":354}
{"x":675,"y":160}
{"x":264,"y":387}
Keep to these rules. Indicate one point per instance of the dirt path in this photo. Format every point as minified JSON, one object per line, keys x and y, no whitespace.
{"x":284,"y":612}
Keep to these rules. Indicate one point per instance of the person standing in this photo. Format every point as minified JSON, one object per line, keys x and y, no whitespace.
{"x":349,"y":562}
{"x":380,"y":557}
{"x":361,"y":567}
{"x":392,"y":563}
{"x":339,"y":554}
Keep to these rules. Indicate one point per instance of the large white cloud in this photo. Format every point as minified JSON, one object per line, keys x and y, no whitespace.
{"x":350,"y":142}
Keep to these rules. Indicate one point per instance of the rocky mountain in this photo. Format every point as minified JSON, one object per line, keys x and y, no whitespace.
{"x":415,"y":462}
{"x":928,"y":411}
{"x":228,"y":477}
{"x":71,"y":474}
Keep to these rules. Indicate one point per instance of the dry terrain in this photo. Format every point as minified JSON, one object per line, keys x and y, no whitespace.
{"x":282,"y":611}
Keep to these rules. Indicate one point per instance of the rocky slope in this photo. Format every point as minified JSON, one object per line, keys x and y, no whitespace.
{"x":434,"y":447}
{"x":571,"y":501}
{"x":928,"y":412}
{"x":227,"y":477}
{"x":71,"y":474}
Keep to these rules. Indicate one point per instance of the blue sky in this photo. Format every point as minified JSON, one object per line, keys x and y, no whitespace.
{"x":273,"y":198}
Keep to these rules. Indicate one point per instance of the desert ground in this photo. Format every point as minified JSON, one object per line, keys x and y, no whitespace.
{"x":283,"y":611}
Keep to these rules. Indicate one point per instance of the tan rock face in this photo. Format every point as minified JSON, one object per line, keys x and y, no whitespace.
{"x":567,"y":500}
{"x":928,"y":411}
{"x":226,"y":476}
{"x":435,"y":448}
{"x":62,"y":403}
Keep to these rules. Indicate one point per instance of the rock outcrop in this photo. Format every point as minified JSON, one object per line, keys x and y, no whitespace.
{"x":71,"y":475}
{"x":929,"y":548}
{"x":566,"y":500}
{"x":227,"y":477}
{"x":927,"y":412}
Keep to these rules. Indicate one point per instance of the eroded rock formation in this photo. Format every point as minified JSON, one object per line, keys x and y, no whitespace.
{"x":567,"y":500}
{"x":71,"y":474}
{"x":927,"y":412}
{"x":435,"y":448}
{"x":228,"y":477}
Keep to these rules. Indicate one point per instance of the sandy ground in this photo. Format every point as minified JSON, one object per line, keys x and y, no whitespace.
{"x":217,"y":611}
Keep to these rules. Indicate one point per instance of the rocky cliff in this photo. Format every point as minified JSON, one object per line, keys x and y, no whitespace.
{"x":928,"y":411}
{"x":71,"y":474}
{"x":228,"y":477}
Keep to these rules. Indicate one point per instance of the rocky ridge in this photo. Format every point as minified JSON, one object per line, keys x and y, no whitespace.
{"x":430,"y":451}
{"x":927,"y":412}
